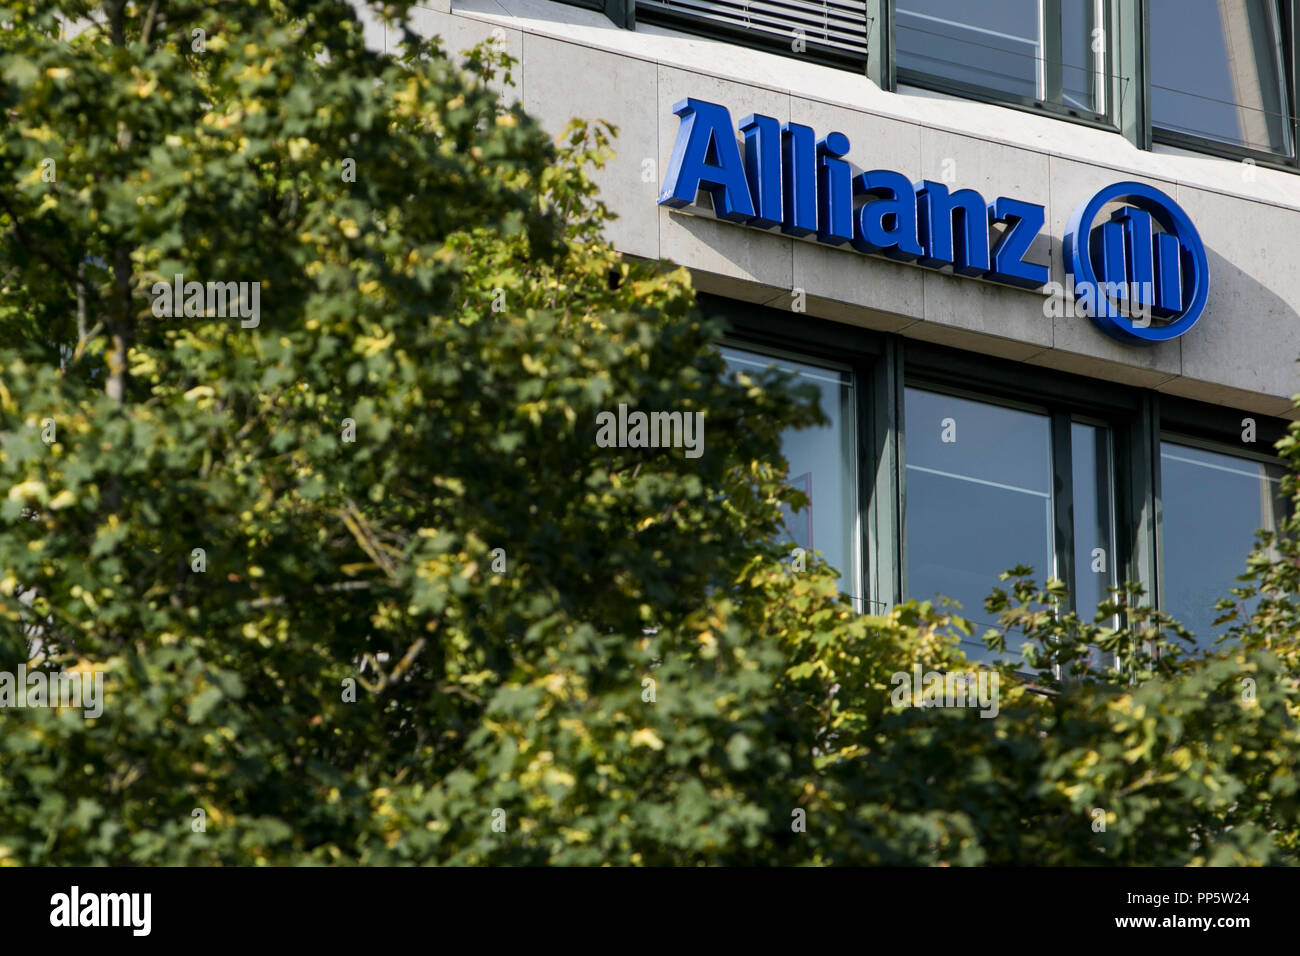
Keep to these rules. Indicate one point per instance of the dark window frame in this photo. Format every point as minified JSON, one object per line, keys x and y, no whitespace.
{"x":1114,"y":577}
{"x":1065,"y":398}
{"x":1107,"y":119}
{"x":1290,"y":30}
{"x":830,"y":363}
{"x":865,"y":354}
{"x":1213,"y":428}
{"x":1128,"y":67}
{"x":884,"y":363}
{"x":1061,"y":498}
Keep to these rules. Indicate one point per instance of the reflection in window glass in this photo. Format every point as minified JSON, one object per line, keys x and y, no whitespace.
{"x":1001,"y":47}
{"x":1212,"y":505}
{"x":823,"y":466}
{"x":1093,"y":513}
{"x":978,"y":500}
{"x":1094,"y":535}
{"x":1218,"y":72}
{"x":1081,"y":65}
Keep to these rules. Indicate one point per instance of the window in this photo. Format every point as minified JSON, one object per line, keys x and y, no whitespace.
{"x":1212,"y":503}
{"x":621,"y":12}
{"x":1093,"y":523}
{"x":976,"y":465}
{"x":990,"y":486}
{"x":1044,"y":52}
{"x":823,"y":465}
{"x":1092,"y":470}
{"x":1219,"y":72}
{"x":978,"y":499}
{"x":1215,"y":76}
{"x":827,"y":31}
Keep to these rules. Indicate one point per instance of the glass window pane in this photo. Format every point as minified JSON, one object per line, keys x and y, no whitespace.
{"x":1218,"y":71}
{"x":1083,"y":56}
{"x":978,"y":499}
{"x":1002,"y":47}
{"x":1212,"y":505}
{"x":1093,"y":514}
{"x":990,"y":45}
{"x":823,"y":465}
{"x":1094,"y":534}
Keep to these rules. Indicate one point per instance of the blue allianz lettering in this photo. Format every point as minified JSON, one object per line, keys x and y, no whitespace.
{"x":1146,"y":260}
{"x":788,"y":176}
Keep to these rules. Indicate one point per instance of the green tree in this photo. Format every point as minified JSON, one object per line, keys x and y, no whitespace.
{"x":362,"y":584}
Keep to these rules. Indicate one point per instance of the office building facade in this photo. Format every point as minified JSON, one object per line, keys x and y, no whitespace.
{"x":1038,"y":257}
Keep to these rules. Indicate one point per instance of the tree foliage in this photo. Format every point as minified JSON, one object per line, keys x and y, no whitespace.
{"x":470,"y":635}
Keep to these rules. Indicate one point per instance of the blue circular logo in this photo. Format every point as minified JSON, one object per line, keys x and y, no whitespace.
{"x":1126,"y":271}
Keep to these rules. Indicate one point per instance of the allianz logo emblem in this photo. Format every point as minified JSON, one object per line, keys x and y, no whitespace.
{"x":1146,"y":260}
{"x":1125,"y":258}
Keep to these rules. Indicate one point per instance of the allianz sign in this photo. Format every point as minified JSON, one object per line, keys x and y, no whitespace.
{"x":790,"y":178}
